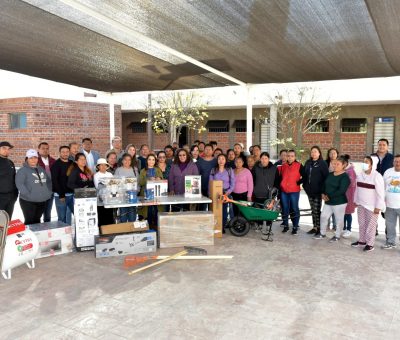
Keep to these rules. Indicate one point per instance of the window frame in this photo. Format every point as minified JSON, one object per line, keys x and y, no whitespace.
{"x":362,"y":127}
{"x":18,"y":126}
{"x":321,"y":121}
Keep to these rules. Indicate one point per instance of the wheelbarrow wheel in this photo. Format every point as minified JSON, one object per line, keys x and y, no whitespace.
{"x":239,"y":226}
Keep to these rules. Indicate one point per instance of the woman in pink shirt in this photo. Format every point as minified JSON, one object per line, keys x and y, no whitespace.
{"x":243,"y":189}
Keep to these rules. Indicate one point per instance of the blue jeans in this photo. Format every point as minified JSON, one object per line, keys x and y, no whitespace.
{"x":65,"y":209}
{"x":226,"y":213}
{"x":127,"y":214}
{"x":348,"y":219}
{"x":47,"y":209}
{"x":290,"y":202}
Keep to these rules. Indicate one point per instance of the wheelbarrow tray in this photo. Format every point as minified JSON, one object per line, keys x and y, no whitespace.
{"x":256,"y":214}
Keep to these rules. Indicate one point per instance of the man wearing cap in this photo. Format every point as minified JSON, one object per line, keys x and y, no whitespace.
{"x":8,"y":189}
{"x":46,"y":162}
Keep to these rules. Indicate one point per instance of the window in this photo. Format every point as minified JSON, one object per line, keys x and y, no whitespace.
{"x":240,"y":125}
{"x":17,"y":121}
{"x":321,"y":126}
{"x":138,"y":127}
{"x":218,"y":126}
{"x":354,"y":125}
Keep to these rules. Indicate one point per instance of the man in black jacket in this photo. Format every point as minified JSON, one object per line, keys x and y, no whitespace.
{"x":63,"y":196}
{"x":8,"y":189}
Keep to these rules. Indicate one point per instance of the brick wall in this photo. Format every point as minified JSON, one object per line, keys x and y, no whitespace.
{"x":57,"y":122}
{"x":354,"y":144}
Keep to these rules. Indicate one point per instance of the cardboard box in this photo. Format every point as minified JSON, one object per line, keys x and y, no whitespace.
{"x":55,"y":238}
{"x":159,"y":187}
{"x":125,"y":244}
{"x":193,"y":186}
{"x":216,"y":190}
{"x":128,"y":227}
{"x":192,"y":228}
{"x":86,"y":221}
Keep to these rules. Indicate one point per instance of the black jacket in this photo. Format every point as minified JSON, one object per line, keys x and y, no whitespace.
{"x":77,"y":179}
{"x":386,"y":163}
{"x":313,"y":176}
{"x":7,"y":177}
{"x":59,"y":177}
{"x":265,"y":179}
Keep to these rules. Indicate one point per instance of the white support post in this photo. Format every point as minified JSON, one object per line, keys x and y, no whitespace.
{"x":249,"y":118}
{"x":273,"y":121}
{"x":149,"y":119}
{"x":112,"y":119}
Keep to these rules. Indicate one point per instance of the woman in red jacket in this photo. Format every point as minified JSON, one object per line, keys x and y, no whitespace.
{"x":290,"y":173}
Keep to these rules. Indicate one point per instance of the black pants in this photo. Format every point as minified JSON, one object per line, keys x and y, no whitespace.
{"x":315,"y":204}
{"x":7,"y":202}
{"x":105,"y":216}
{"x":32,"y":210}
{"x":238,"y":197}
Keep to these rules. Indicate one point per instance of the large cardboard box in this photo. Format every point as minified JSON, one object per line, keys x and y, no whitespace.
{"x":192,"y":228}
{"x":55,"y":238}
{"x":216,"y":190}
{"x":128,"y":227}
{"x":85,"y":213}
{"x":125,"y":244}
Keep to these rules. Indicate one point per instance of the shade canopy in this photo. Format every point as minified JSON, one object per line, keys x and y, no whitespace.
{"x":118,"y":45}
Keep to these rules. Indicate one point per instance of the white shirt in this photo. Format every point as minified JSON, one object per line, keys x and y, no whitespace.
{"x":392,"y":188}
{"x":90,"y":160}
{"x":99,"y":175}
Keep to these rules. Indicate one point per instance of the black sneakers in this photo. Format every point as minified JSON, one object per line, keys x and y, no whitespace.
{"x":318,"y":236}
{"x":368,"y":248}
{"x":358,"y":244}
{"x":294,"y":232}
{"x":285,"y":229}
{"x":312,"y":231}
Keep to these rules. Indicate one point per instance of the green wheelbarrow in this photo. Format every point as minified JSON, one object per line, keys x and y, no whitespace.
{"x":251,"y":215}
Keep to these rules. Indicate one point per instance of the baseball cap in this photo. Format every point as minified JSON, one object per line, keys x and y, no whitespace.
{"x":4,"y":143}
{"x":31,"y":153}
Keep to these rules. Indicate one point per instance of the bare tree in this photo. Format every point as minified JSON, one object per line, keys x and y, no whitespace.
{"x":175,"y":110}
{"x":298,"y":115}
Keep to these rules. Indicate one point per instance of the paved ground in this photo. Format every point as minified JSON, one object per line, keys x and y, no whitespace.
{"x":292,"y":288}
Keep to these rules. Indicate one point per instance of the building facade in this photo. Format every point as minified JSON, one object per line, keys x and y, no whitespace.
{"x":355,"y":132}
{"x":25,"y":122}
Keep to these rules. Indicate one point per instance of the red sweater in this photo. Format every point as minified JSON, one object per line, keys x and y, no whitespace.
{"x":291,"y":175}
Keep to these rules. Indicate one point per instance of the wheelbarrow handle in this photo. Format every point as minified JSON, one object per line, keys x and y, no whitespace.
{"x":225,"y":199}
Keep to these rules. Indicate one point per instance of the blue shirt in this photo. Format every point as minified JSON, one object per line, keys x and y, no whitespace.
{"x":205,"y":170}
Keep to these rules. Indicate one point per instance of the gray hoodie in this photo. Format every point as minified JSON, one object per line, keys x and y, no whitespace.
{"x":31,"y":188}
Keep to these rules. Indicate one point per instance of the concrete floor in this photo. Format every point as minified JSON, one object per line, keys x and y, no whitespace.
{"x":292,"y":288}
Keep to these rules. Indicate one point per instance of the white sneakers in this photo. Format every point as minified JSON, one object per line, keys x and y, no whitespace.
{"x":346,"y":234}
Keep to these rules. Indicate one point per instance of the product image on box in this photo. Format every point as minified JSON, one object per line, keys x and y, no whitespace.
{"x":85,"y":207}
{"x":125,"y":244}
{"x":52,"y":247}
{"x":193,"y":186}
{"x":159,"y":187}
{"x":55,"y":238}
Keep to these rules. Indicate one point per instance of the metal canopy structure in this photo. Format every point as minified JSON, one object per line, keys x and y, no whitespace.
{"x":125,"y":45}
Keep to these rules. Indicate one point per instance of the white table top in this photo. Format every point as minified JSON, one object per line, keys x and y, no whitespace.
{"x":165,"y":200}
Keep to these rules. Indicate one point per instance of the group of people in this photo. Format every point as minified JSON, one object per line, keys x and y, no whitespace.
{"x":247,"y":176}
